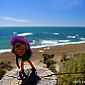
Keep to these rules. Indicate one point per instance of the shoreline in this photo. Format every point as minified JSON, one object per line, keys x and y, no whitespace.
{"x":42,"y":46}
{"x":37,"y":54}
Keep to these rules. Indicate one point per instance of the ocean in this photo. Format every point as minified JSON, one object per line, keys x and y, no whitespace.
{"x":42,"y":36}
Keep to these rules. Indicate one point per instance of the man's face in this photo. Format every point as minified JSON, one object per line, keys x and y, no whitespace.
{"x":20,"y":48}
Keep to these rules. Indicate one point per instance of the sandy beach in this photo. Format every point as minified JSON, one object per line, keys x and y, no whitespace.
{"x":37,"y":55}
{"x":37,"y":59}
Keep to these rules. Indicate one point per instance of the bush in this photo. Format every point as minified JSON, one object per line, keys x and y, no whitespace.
{"x":52,"y":68}
{"x":2,"y":72}
{"x":75,"y":64}
{"x":1,"y":63}
{"x":49,"y":62}
{"x":47,"y":56}
{"x":4,"y":67}
{"x":9,"y":62}
{"x":51,"y":56}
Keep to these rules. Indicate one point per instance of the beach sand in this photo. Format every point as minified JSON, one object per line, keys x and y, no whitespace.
{"x":37,"y":55}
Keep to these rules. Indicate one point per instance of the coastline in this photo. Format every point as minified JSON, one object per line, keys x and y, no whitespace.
{"x":42,"y":46}
{"x":37,"y":53}
{"x":59,"y":51}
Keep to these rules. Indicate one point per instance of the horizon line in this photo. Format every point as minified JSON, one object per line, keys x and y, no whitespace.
{"x":44,"y":26}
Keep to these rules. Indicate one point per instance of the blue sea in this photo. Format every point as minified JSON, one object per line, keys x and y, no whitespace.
{"x":43,"y":36}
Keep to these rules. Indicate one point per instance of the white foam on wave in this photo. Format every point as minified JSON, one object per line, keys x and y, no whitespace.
{"x":57,"y":44}
{"x":77,"y":35}
{"x":5,"y":50}
{"x":71,"y":36}
{"x":82,"y":39}
{"x":63,"y":41}
{"x":33,"y":42}
{"x":45,"y":45}
{"x":53,"y":42}
{"x":56,"y":33}
{"x":24,"y":34}
{"x":48,"y":42}
{"x":14,"y":33}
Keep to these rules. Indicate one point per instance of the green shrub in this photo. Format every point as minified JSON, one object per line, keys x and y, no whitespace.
{"x":48,"y":60}
{"x":75,"y":64}
{"x":3,"y":68}
{"x":47,"y":56}
{"x":1,"y":63}
{"x":2,"y":72}
{"x":52,"y":68}
{"x":9,"y":62}
{"x":64,"y":57}
{"x":6,"y":66}
{"x":51,"y":56}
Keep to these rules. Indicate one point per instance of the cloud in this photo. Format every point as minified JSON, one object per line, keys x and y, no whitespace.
{"x":10,"y":21}
{"x":65,"y":4}
{"x":73,"y":3}
{"x":6,"y":18}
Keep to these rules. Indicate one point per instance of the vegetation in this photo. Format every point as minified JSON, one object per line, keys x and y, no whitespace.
{"x":64,"y":57}
{"x":75,"y":64}
{"x":4,"y":67}
{"x":2,"y":72}
{"x":50,"y":63}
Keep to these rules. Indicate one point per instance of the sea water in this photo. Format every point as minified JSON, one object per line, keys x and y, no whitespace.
{"x":42,"y":36}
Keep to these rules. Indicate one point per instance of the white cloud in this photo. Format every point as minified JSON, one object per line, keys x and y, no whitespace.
{"x":10,"y":21}
{"x":6,"y":18}
{"x":65,"y":4}
{"x":73,"y":3}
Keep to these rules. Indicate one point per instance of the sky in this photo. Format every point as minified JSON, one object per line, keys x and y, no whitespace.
{"x":42,"y":12}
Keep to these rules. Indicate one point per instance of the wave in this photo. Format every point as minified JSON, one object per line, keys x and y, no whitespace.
{"x":82,"y":39}
{"x":46,"y":44}
{"x":63,"y":41}
{"x":71,"y":36}
{"x":5,"y":50}
{"x":77,"y":35}
{"x":33,"y":42}
{"x":56,"y":33}
{"x":14,"y":33}
{"x":49,"y":42}
{"x":24,"y":34}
